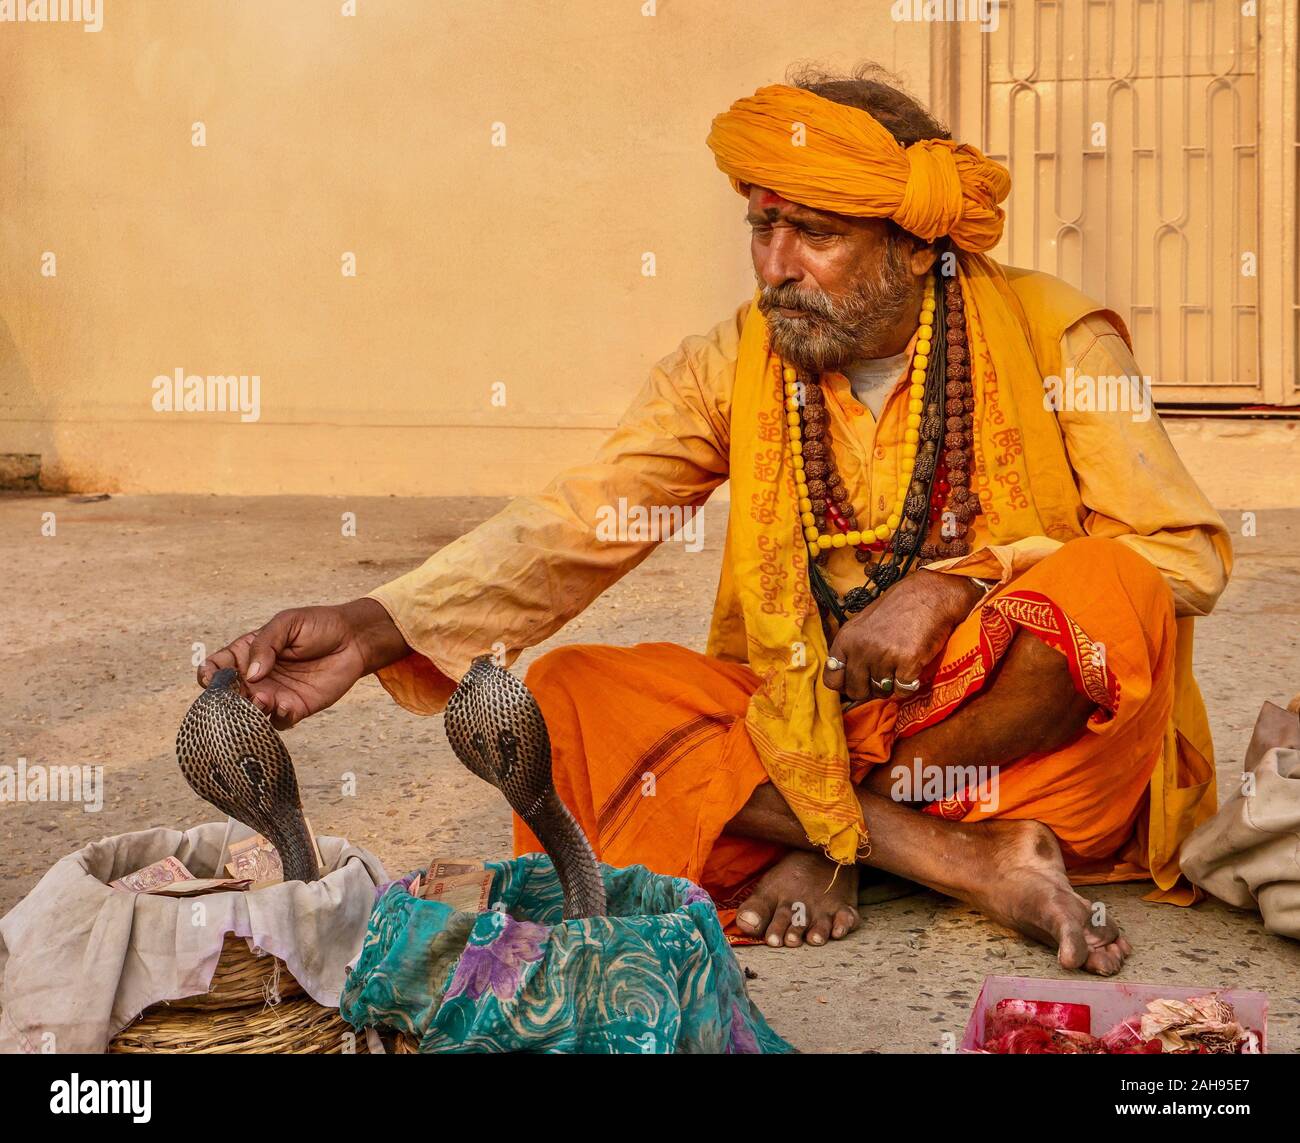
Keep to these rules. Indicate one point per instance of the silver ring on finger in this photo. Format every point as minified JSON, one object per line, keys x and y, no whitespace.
{"x":908,"y":688}
{"x":884,"y":686}
{"x":834,"y":664}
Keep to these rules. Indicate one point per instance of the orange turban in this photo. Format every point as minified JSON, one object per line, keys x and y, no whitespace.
{"x":831,"y":157}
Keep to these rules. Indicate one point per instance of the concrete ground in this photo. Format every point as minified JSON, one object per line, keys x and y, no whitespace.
{"x":100,"y":624}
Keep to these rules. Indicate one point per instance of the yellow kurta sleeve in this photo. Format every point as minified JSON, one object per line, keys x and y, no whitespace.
{"x":1134,"y":486}
{"x":521,"y":575}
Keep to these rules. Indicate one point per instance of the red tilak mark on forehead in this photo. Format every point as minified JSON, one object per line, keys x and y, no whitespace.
{"x":768,"y":198}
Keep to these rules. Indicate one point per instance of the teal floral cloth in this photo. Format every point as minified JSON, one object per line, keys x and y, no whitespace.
{"x":655,"y":975}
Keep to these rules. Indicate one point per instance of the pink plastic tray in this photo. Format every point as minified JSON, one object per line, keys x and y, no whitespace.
{"x":1110,"y":1002}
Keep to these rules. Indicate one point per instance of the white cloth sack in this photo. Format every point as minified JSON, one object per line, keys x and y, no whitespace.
{"x":1248,"y":854}
{"x":79,"y":961}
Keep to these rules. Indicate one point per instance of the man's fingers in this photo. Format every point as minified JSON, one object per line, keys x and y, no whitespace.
{"x":865,"y":667}
{"x":263,"y":699}
{"x":884,"y":672}
{"x":908,"y":672}
{"x":851,"y":679}
{"x":835,"y":678}
{"x":217,"y":661}
{"x":286,"y":708}
{"x":858,"y":677}
{"x":289,"y":710}
{"x":235,"y":655}
{"x":266,"y":644}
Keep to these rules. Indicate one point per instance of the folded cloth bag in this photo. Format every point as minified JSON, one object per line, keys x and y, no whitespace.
{"x":79,"y":960}
{"x":1248,"y":854}
{"x":655,"y":975}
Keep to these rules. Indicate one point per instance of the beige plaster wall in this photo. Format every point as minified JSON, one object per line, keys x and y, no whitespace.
{"x":372,"y":133}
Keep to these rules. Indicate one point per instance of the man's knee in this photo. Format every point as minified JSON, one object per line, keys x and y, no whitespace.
{"x":558,"y":669}
{"x":1105,"y":556}
{"x":1109,"y":562}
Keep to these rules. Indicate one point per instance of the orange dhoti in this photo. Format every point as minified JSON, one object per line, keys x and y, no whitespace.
{"x":652,"y":755}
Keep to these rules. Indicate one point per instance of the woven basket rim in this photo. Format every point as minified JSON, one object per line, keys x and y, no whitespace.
{"x":296,"y":1026}
{"x":240,"y":978}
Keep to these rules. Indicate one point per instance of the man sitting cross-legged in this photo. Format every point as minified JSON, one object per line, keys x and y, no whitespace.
{"x":953,"y":634}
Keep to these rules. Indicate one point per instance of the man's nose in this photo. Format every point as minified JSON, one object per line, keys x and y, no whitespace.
{"x":780,"y":261}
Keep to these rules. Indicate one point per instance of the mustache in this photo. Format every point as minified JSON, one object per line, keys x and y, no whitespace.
{"x":791,"y":298}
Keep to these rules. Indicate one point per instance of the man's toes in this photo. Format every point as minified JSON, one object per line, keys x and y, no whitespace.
{"x":1107,"y":960}
{"x":846,"y":920}
{"x":798,"y":925}
{"x":819,"y":932}
{"x":1101,"y":934}
{"x":1104,"y":961}
{"x":1071,"y":940}
{"x":777,"y":926}
{"x":754,"y":915}
{"x":1107,"y":948}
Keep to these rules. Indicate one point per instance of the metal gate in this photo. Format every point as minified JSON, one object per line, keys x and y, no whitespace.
{"x":1152,"y":146}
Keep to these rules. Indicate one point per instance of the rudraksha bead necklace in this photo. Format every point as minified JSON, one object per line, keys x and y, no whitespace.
{"x":938,"y":447}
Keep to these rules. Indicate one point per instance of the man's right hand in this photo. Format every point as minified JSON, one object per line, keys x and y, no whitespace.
{"x":307,"y":658}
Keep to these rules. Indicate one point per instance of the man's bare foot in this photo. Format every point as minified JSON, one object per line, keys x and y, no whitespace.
{"x":795,"y":901}
{"x":1023,"y":885}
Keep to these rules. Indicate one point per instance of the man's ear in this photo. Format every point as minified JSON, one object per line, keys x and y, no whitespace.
{"x":922,"y":258}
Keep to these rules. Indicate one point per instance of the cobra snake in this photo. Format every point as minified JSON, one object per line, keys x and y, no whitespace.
{"x":231,"y":756}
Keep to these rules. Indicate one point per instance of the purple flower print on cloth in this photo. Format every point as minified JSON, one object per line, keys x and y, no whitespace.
{"x":495,"y":960}
{"x":404,"y":882}
{"x":741,"y":1041}
{"x":695,"y":895}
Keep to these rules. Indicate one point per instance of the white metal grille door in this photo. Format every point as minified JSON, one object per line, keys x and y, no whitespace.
{"x":1132,"y":129}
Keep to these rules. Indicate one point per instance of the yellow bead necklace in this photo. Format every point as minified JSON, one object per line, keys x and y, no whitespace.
{"x":872,"y":539}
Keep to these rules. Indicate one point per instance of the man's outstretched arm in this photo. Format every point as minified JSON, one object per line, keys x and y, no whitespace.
{"x":519,"y":576}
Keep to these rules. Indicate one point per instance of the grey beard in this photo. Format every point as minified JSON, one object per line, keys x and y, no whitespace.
{"x":835,"y":332}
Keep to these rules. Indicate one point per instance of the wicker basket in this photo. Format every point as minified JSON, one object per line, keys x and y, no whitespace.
{"x":253,"y":1005}
{"x":404,"y":1044}
{"x":295,"y":1027}
{"x":241,"y":979}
